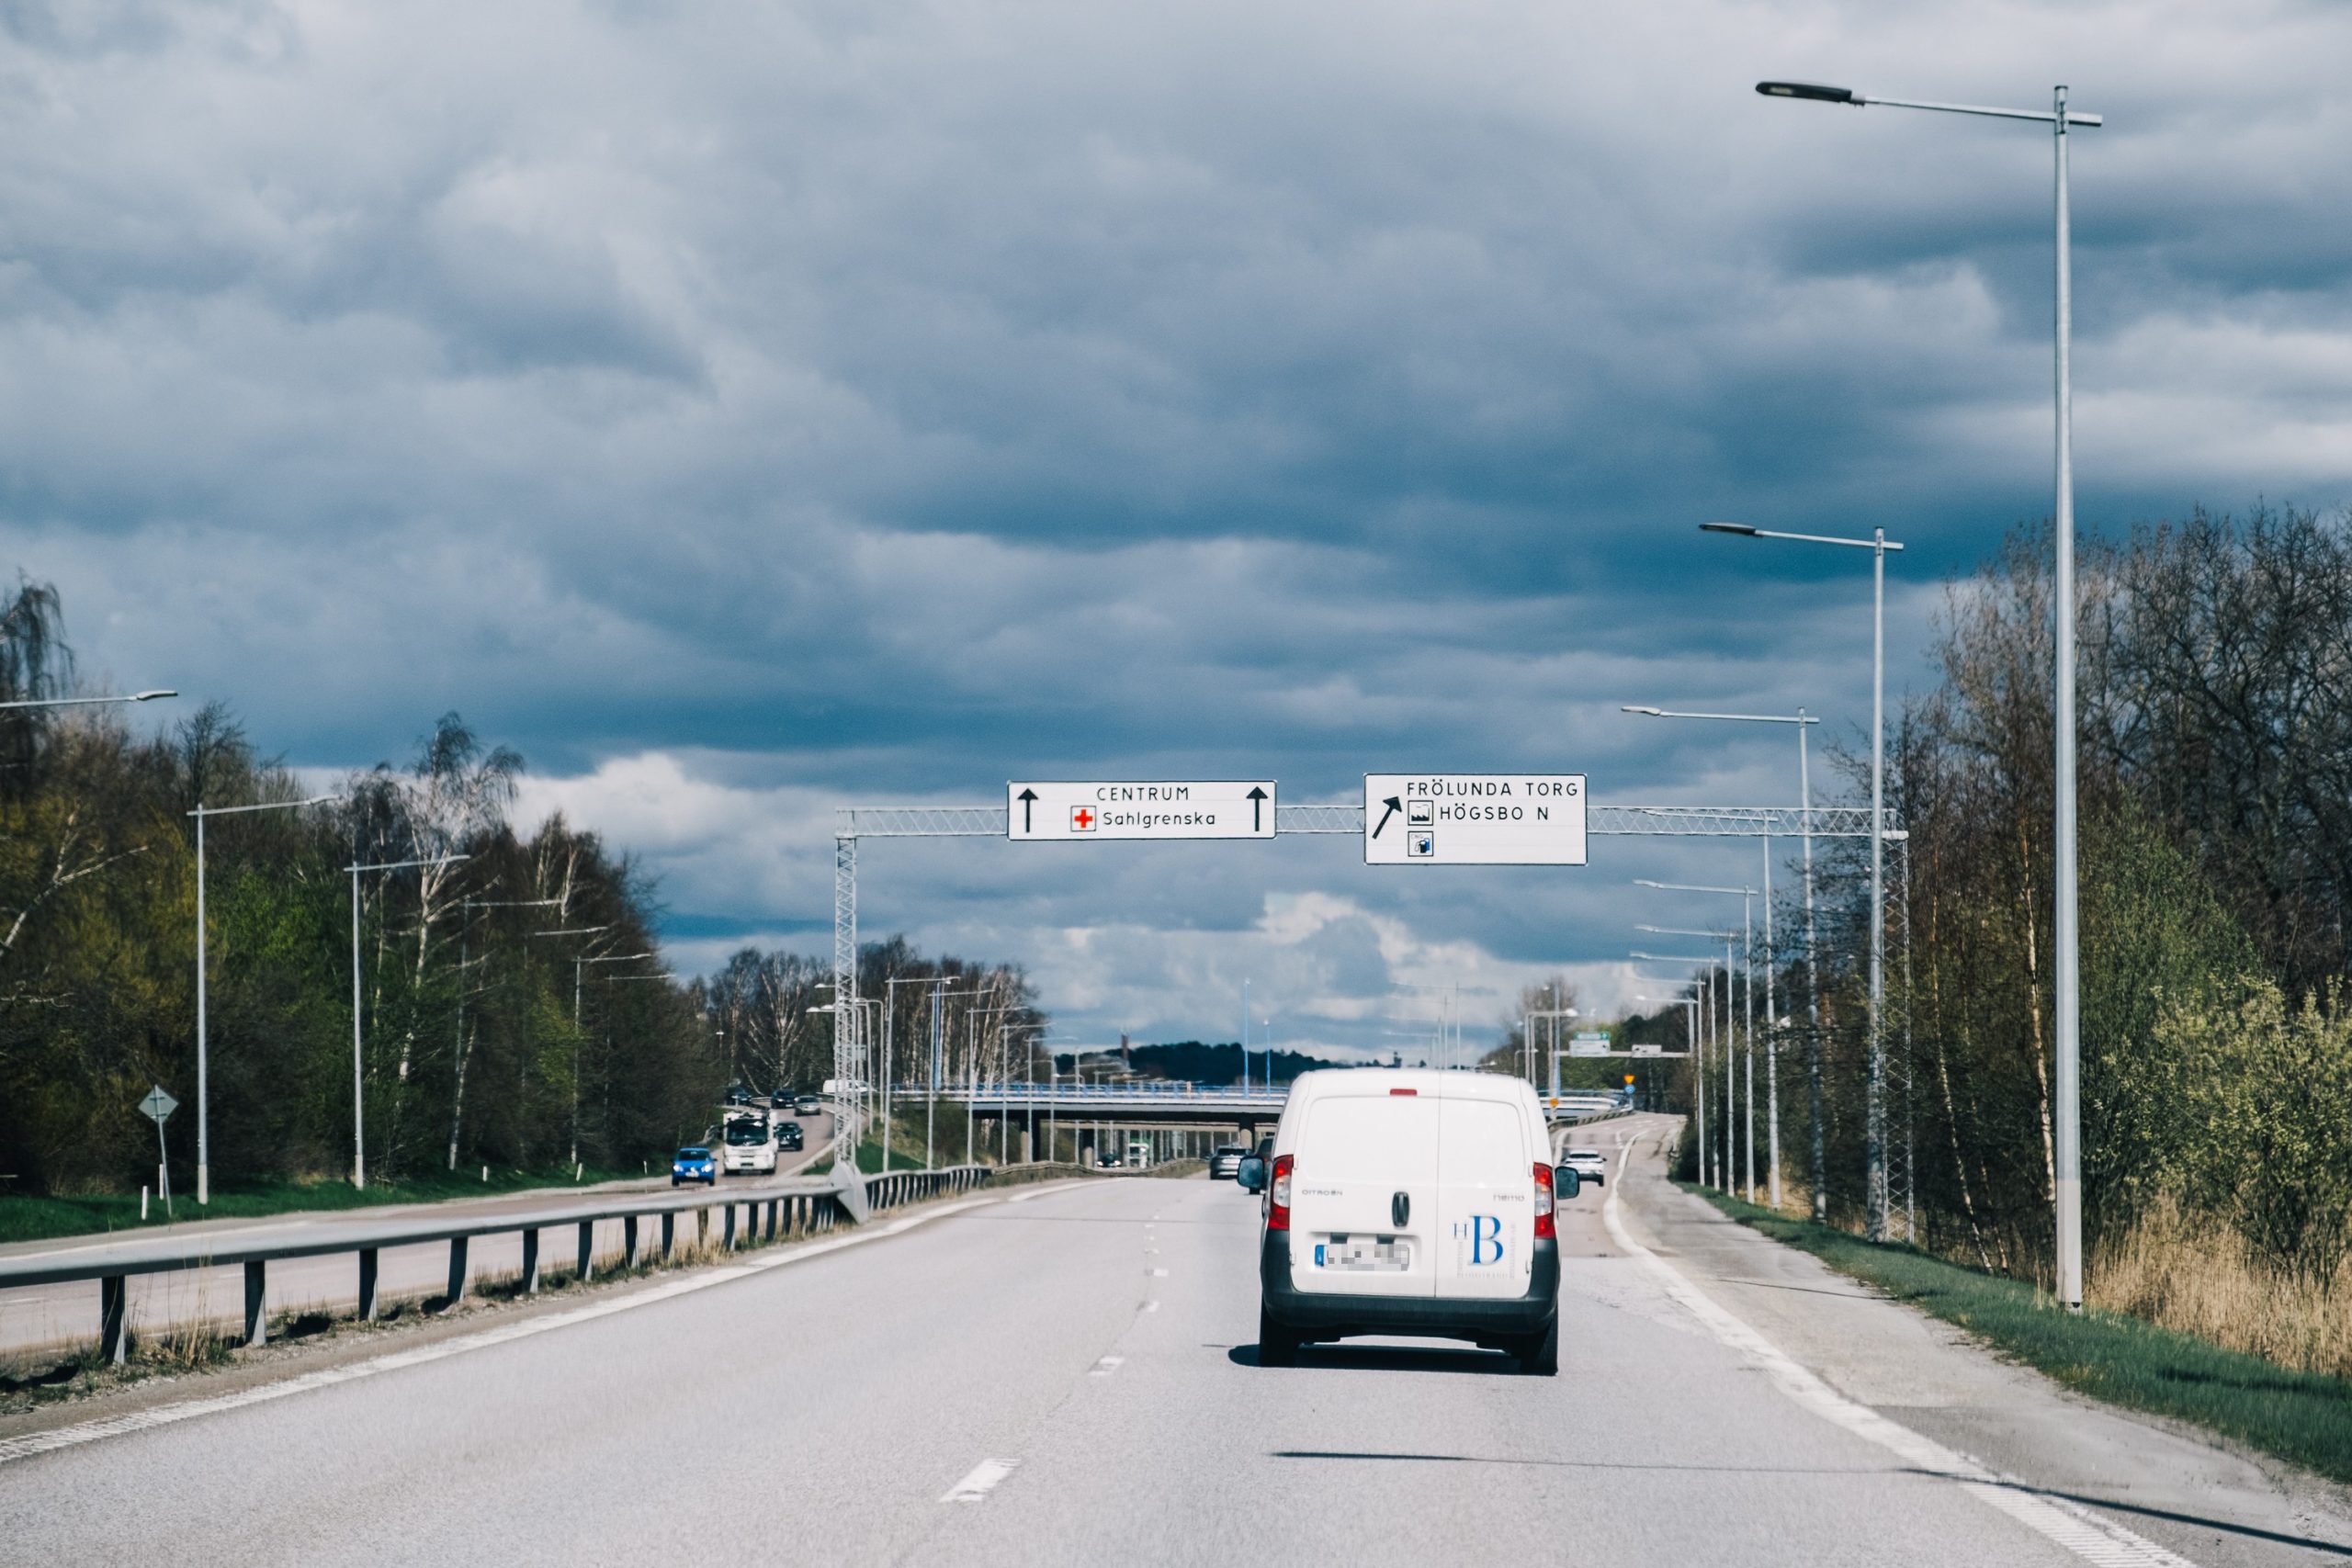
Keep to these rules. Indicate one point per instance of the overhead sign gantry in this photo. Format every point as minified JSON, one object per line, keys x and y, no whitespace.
{"x":1474,"y":818}
{"x":1066,"y":811}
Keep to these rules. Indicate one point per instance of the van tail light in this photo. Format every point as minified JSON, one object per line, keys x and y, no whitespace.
{"x":1278,"y":1195}
{"x":1544,"y":1228}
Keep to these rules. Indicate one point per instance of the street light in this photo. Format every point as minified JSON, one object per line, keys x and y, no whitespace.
{"x":1747,"y":1004}
{"x":2067,"y":1135}
{"x":358,"y":1058}
{"x":579,"y":968}
{"x":84,"y":701}
{"x":1801,"y":720}
{"x":465,"y":907}
{"x":1874,"y":1135}
{"x":203,"y":1095}
{"x":1731,"y":1130}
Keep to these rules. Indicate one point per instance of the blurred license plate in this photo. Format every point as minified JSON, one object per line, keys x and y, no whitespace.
{"x":1364,"y":1254}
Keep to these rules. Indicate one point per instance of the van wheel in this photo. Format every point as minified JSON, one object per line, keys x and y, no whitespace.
{"x":1539,"y":1354}
{"x":1277,"y":1346}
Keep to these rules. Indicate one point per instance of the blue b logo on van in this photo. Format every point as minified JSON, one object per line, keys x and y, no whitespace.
{"x":1484,"y":1233}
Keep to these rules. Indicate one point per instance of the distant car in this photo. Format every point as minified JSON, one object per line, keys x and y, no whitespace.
{"x":1590,"y":1164}
{"x":1226,"y":1162}
{"x":694,"y":1164}
{"x":748,"y":1146}
{"x":790,"y":1136}
{"x":736,"y":1095}
{"x":1107,"y":1162}
{"x":781,"y":1099}
{"x":808,"y":1105}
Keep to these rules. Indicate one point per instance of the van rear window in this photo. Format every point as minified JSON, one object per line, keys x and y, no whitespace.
{"x":1485,"y":1145}
{"x":1359,"y":1138}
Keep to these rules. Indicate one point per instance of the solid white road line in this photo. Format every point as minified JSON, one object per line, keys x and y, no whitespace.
{"x":981,"y":1482}
{"x":2086,"y":1534}
{"x":13,"y":1448}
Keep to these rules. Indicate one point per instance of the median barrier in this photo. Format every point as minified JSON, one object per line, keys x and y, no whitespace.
{"x":799,"y":1206}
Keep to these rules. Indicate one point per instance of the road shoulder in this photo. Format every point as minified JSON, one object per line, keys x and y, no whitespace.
{"x":2179,"y":1489}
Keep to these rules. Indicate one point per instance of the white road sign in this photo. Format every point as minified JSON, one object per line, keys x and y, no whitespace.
{"x":1070,"y":812}
{"x":1474,"y":818}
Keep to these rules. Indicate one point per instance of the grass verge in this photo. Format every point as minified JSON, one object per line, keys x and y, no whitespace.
{"x":2305,"y":1418}
{"x":36,"y":1219}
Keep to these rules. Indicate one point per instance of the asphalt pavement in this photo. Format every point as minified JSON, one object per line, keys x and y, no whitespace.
{"x":1068,"y":1375}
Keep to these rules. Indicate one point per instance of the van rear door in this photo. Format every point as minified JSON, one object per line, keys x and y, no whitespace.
{"x":1364,"y":1195}
{"x":1485,"y":1199}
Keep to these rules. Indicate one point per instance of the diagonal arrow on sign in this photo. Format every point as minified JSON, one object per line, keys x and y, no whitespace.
{"x":1395,"y":805}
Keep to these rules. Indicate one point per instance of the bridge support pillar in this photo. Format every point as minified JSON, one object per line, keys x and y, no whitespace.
{"x":1086,"y":1146}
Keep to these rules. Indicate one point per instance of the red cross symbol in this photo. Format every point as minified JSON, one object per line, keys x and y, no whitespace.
{"x":1081,"y":819}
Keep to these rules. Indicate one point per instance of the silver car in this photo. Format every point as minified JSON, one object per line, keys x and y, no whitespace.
{"x":1226,"y":1162}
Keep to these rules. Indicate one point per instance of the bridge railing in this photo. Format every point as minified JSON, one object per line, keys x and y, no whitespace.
{"x":799,"y":1206}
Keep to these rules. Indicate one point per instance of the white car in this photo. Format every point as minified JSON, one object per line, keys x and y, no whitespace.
{"x":1590,"y":1164}
{"x":1412,"y":1203}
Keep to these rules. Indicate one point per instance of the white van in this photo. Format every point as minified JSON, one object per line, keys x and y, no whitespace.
{"x":1410,"y":1203}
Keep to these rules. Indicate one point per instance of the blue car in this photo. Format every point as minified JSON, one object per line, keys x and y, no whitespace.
{"x":693,"y":1165}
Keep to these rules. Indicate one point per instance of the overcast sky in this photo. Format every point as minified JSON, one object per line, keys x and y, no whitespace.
{"x":744,"y":410}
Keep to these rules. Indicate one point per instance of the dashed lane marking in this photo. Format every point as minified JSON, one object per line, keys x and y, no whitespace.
{"x":983,"y":1480}
{"x":2080,"y":1531}
{"x":1106,"y":1366}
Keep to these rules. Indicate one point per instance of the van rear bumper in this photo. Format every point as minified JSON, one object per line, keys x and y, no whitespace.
{"x":1322,"y":1314}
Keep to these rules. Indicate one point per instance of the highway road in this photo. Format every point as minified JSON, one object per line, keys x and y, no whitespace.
{"x":43,"y":1316}
{"x":1067,"y":1375}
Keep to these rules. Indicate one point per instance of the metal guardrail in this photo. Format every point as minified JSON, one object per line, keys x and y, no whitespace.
{"x":799,"y":1206}
{"x":1151,"y":1090}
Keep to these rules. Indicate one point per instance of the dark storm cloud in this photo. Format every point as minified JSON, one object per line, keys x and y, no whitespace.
{"x":743,"y":410}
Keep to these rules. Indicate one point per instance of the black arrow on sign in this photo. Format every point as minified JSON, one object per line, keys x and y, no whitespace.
{"x":1257,"y":799}
{"x":1395,"y":806}
{"x":1028,"y":799}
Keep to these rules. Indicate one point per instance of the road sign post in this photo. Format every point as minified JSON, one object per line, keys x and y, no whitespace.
{"x":159,"y":1106}
{"x":1074,"y":812}
{"x":1474,"y":818}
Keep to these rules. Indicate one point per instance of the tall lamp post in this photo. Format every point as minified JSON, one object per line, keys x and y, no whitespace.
{"x":1723,"y":1166}
{"x":2066,"y":1135}
{"x":1731,"y":1057}
{"x":1802,"y":721}
{"x":1746,"y":896}
{"x":1874,"y":1132}
{"x":203,"y":1053}
{"x":466,"y":908}
{"x":359,"y":1051}
{"x":1689,"y":1033}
